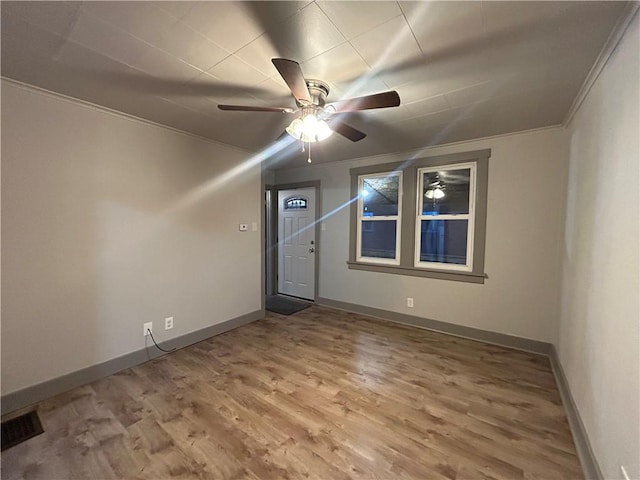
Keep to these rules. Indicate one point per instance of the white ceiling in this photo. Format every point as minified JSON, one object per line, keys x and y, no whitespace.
{"x":463,"y":69}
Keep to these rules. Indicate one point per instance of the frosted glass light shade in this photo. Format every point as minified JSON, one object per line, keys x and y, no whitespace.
{"x":436,"y":193}
{"x":295,"y":128}
{"x":309,"y":130}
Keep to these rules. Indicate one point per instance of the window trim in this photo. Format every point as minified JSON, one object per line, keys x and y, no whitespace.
{"x":361,"y":218}
{"x":470,"y":217}
{"x":409,"y":169}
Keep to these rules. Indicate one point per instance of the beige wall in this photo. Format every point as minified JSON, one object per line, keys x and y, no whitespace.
{"x":108,"y":223}
{"x":599,"y":330}
{"x":524,"y":222}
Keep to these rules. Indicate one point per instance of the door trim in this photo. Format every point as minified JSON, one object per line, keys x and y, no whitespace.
{"x":276,"y":215}
{"x":271,"y":229}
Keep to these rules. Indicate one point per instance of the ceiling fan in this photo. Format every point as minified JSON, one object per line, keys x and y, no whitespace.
{"x":315,"y":120}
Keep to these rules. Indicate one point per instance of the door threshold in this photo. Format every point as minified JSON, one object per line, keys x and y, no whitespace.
{"x":297,"y":298}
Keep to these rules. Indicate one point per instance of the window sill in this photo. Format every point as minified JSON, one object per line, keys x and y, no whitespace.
{"x":457,"y":276}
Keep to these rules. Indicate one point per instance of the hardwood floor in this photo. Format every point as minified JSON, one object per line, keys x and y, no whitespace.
{"x":320,"y":394}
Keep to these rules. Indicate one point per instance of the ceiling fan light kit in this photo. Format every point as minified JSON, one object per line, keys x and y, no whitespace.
{"x":309,"y":129}
{"x":315,"y":122}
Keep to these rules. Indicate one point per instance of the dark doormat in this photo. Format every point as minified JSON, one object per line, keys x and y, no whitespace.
{"x":285,"y":305}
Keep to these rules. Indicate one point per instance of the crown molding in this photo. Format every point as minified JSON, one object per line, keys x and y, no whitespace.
{"x":627,"y":16}
{"x":117,"y":113}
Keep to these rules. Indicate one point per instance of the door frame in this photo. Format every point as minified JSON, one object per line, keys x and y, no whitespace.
{"x":271,"y":247}
{"x":270,"y":232}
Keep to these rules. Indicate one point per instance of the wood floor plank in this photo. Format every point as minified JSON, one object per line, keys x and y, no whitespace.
{"x":319,"y":394}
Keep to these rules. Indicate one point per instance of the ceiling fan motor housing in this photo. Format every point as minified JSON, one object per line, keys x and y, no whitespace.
{"x":318,"y":90}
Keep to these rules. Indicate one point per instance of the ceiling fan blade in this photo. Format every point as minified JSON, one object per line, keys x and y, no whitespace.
{"x":347,"y":131}
{"x":247,"y":108}
{"x":291,"y":73}
{"x":283,"y":136}
{"x":368,"y":102}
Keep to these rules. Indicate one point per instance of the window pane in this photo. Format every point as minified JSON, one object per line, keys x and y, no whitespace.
{"x":380,"y":196}
{"x":379,"y":239}
{"x":295,"y":203}
{"x":444,"y":241}
{"x":446,"y":192}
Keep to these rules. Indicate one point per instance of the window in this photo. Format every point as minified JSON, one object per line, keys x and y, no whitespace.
{"x":379,"y":209}
{"x":435,"y":229}
{"x":295,"y":203}
{"x":445,"y":217}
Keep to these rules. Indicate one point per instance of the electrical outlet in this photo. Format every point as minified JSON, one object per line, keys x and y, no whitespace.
{"x":624,"y":473}
{"x":409,"y":302}
{"x":254,"y":226}
{"x":168,"y":323}
{"x":147,"y":326}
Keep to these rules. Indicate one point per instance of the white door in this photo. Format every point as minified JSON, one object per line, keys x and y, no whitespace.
{"x":296,"y":242}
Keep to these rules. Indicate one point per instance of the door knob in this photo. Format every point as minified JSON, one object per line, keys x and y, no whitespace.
{"x":311,"y":250}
